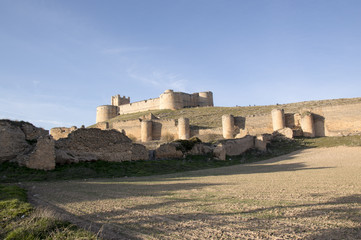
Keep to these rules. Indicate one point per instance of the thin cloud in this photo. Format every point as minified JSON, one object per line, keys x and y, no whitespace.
{"x":112,"y":51}
{"x":54,"y":122}
{"x":160,"y":79}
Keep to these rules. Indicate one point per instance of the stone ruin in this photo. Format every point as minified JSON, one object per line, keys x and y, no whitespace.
{"x":33,"y":147}
{"x":26,"y":144}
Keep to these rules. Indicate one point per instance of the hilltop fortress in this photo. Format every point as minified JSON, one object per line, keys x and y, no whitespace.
{"x":167,"y":100}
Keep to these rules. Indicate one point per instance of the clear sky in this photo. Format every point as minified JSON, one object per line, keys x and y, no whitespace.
{"x":59,"y":60}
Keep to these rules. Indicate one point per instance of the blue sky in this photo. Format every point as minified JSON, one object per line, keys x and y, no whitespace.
{"x":59,"y":60}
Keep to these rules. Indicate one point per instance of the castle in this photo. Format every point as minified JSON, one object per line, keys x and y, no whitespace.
{"x":167,"y":100}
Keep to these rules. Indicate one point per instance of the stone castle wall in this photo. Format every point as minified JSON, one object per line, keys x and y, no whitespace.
{"x":141,"y":106}
{"x":337,"y":120}
{"x":167,"y":100}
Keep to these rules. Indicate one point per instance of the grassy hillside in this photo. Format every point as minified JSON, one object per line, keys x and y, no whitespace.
{"x":211,"y":116}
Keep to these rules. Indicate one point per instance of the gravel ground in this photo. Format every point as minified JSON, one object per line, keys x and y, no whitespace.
{"x":308,"y":194}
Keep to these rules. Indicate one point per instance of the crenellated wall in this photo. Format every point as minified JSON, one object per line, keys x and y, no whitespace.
{"x":167,"y":100}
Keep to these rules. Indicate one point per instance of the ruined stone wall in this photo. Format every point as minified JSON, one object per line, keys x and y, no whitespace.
{"x":161,"y":129}
{"x":259,"y":124}
{"x":95,"y":144}
{"x":165,"y":129}
{"x":27,"y":145}
{"x":61,"y":132}
{"x":131,"y":128}
{"x":337,"y":120}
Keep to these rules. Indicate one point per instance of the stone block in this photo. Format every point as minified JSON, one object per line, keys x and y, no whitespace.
{"x":285,"y":132}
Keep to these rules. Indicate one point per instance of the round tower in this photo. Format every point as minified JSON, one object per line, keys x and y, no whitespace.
{"x":278,"y":119}
{"x":146,"y":131}
{"x":307,"y":125}
{"x":168,"y":100}
{"x":106,"y":112}
{"x":183,"y":128}
{"x":205,"y":99}
{"x":228,"y":126}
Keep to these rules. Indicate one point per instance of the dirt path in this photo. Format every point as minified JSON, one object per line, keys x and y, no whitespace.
{"x":310,"y":194}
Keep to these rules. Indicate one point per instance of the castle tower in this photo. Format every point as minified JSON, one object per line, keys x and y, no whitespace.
{"x":278,"y":119}
{"x":106,"y":112}
{"x":183,"y":128}
{"x":228,"y":126}
{"x":146,"y":130}
{"x":205,"y":99}
{"x":117,"y":100}
{"x":307,"y":125}
{"x":168,"y":100}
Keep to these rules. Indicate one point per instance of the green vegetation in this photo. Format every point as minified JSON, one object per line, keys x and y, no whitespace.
{"x":10,"y":172}
{"x":19,"y":220}
{"x":210,"y":117}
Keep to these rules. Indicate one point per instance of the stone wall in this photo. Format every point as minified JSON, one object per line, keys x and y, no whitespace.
{"x":337,"y":120}
{"x":61,"y":132}
{"x":141,"y":106}
{"x":167,"y":100}
{"x":95,"y":144}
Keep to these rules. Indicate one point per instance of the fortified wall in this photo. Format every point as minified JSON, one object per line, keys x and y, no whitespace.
{"x":339,"y":120}
{"x":167,"y":100}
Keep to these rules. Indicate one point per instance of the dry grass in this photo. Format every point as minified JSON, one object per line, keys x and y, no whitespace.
{"x":310,"y":194}
{"x":211,"y":116}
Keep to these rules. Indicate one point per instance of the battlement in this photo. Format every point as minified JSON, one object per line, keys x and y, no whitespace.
{"x":117,"y":100}
{"x":167,"y":100}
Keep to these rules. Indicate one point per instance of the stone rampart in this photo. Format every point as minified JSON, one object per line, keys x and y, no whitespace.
{"x":167,"y":100}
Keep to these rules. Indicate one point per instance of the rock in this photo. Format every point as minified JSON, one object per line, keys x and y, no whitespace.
{"x":200,"y":149}
{"x":43,"y":157}
{"x":168,"y":150}
{"x":220,"y":152}
{"x":285,"y":132}
{"x":31,"y":132}
{"x":12,"y":141}
{"x":233,"y":147}
{"x":262,"y":141}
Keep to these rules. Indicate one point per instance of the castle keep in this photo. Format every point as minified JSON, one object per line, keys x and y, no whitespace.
{"x":167,"y":100}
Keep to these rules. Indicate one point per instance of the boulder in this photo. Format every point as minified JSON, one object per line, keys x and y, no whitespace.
{"x":233,"y":147}
{"x":43,"y":156}
{"x":285,"y":132}
{"x":262,"y":141}
{"x":169,"y":150}
{"x":200,"y":149}
{"x":12,"y":141}
{"x":219,"y":152}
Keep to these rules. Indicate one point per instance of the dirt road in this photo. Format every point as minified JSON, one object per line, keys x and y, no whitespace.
{"x":309,"y":194}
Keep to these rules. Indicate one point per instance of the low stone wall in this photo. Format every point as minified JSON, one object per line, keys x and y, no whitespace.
{"x":95,"y":144}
